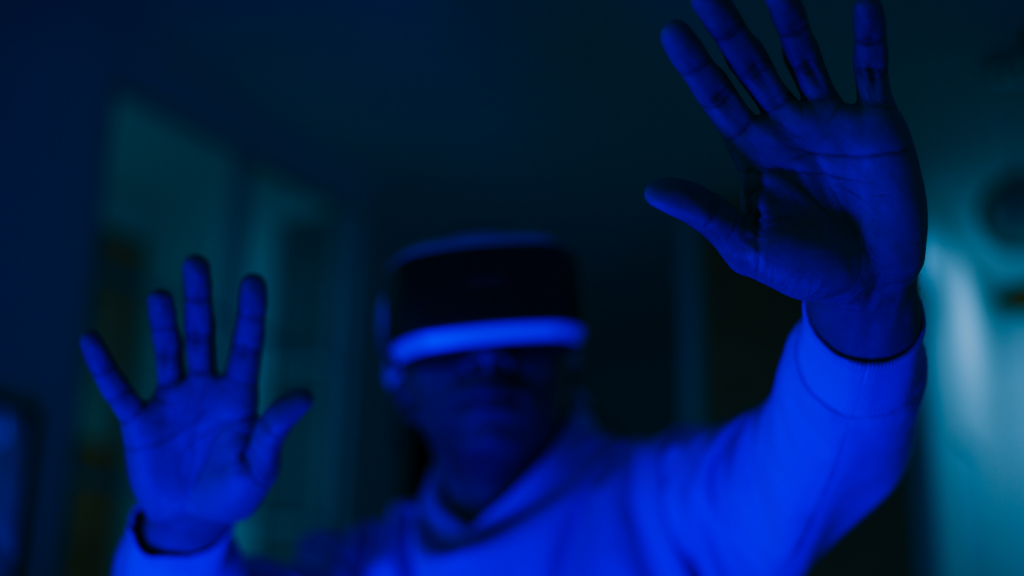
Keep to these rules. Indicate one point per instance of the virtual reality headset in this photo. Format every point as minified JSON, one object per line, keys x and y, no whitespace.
{"x":473,"y":292}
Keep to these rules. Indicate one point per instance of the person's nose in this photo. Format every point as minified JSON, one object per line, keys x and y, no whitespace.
{"x":489,"y":363}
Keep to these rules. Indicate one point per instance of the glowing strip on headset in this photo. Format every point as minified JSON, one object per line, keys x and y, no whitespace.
{"x":489,"y":334}
{"x":470,"y":242}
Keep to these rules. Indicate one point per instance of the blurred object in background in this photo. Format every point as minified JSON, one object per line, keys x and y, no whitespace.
{"x":1004,"y":209}
{"x":19,"y":449}
{"x":972,"y":285}
{"x":171,"y":189}
{"x":973,"y":289}
{"x":1005,"y":70}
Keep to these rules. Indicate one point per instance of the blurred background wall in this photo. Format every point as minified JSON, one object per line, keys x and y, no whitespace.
{"x":308,"y":140}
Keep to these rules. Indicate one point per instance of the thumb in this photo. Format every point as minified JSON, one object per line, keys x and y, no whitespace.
{"x":710,"y":215}
{"x":264,"y":450}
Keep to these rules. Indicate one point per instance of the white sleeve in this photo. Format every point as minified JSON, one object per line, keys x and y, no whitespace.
{"x":772,"y":489}
{"x":219,"y":559}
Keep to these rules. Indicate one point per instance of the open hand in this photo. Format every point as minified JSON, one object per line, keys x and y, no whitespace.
{"x":199,"y":458}
{"x":832,"y":202}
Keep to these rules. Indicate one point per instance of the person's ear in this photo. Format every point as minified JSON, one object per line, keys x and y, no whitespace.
{"x":405,"y":402}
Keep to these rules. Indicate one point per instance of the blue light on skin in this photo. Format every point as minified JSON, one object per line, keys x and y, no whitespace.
{"x":833,"y":208}
{"x":199,"y":455}
{"x":486,"y":415}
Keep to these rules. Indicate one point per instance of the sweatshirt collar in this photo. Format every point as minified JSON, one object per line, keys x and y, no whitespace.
{"x":572,"y":452}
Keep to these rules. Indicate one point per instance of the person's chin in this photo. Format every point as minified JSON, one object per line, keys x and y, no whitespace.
{"x":485,"y":429}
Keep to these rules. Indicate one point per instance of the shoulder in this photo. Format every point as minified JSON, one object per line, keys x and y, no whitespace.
{"x":679,"y":447}
{"x":349,"y":552}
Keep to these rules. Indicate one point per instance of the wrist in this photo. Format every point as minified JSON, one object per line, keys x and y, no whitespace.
{"x":874,"y":326}
{"x":177,"y":536}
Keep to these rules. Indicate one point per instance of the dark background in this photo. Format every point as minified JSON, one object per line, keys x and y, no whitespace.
{"x":426,"y":118}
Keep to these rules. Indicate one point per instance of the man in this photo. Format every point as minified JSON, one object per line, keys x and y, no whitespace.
{"x":833,"y":213}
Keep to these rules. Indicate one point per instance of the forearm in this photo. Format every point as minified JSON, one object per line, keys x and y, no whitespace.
{"x":881,"y":325}
{"x":799,"y":471}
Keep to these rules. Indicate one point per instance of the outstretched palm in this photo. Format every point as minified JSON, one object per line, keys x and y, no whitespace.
{"x":197,"y":451}
{"x":833,"y":201}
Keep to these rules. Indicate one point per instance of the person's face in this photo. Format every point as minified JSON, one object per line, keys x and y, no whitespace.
{"x":490,"y":402}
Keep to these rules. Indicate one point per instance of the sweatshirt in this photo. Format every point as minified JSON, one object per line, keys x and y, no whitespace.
{"x":767,"y":492}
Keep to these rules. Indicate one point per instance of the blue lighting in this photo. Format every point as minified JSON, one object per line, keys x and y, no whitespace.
{"x":522,"y":332}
